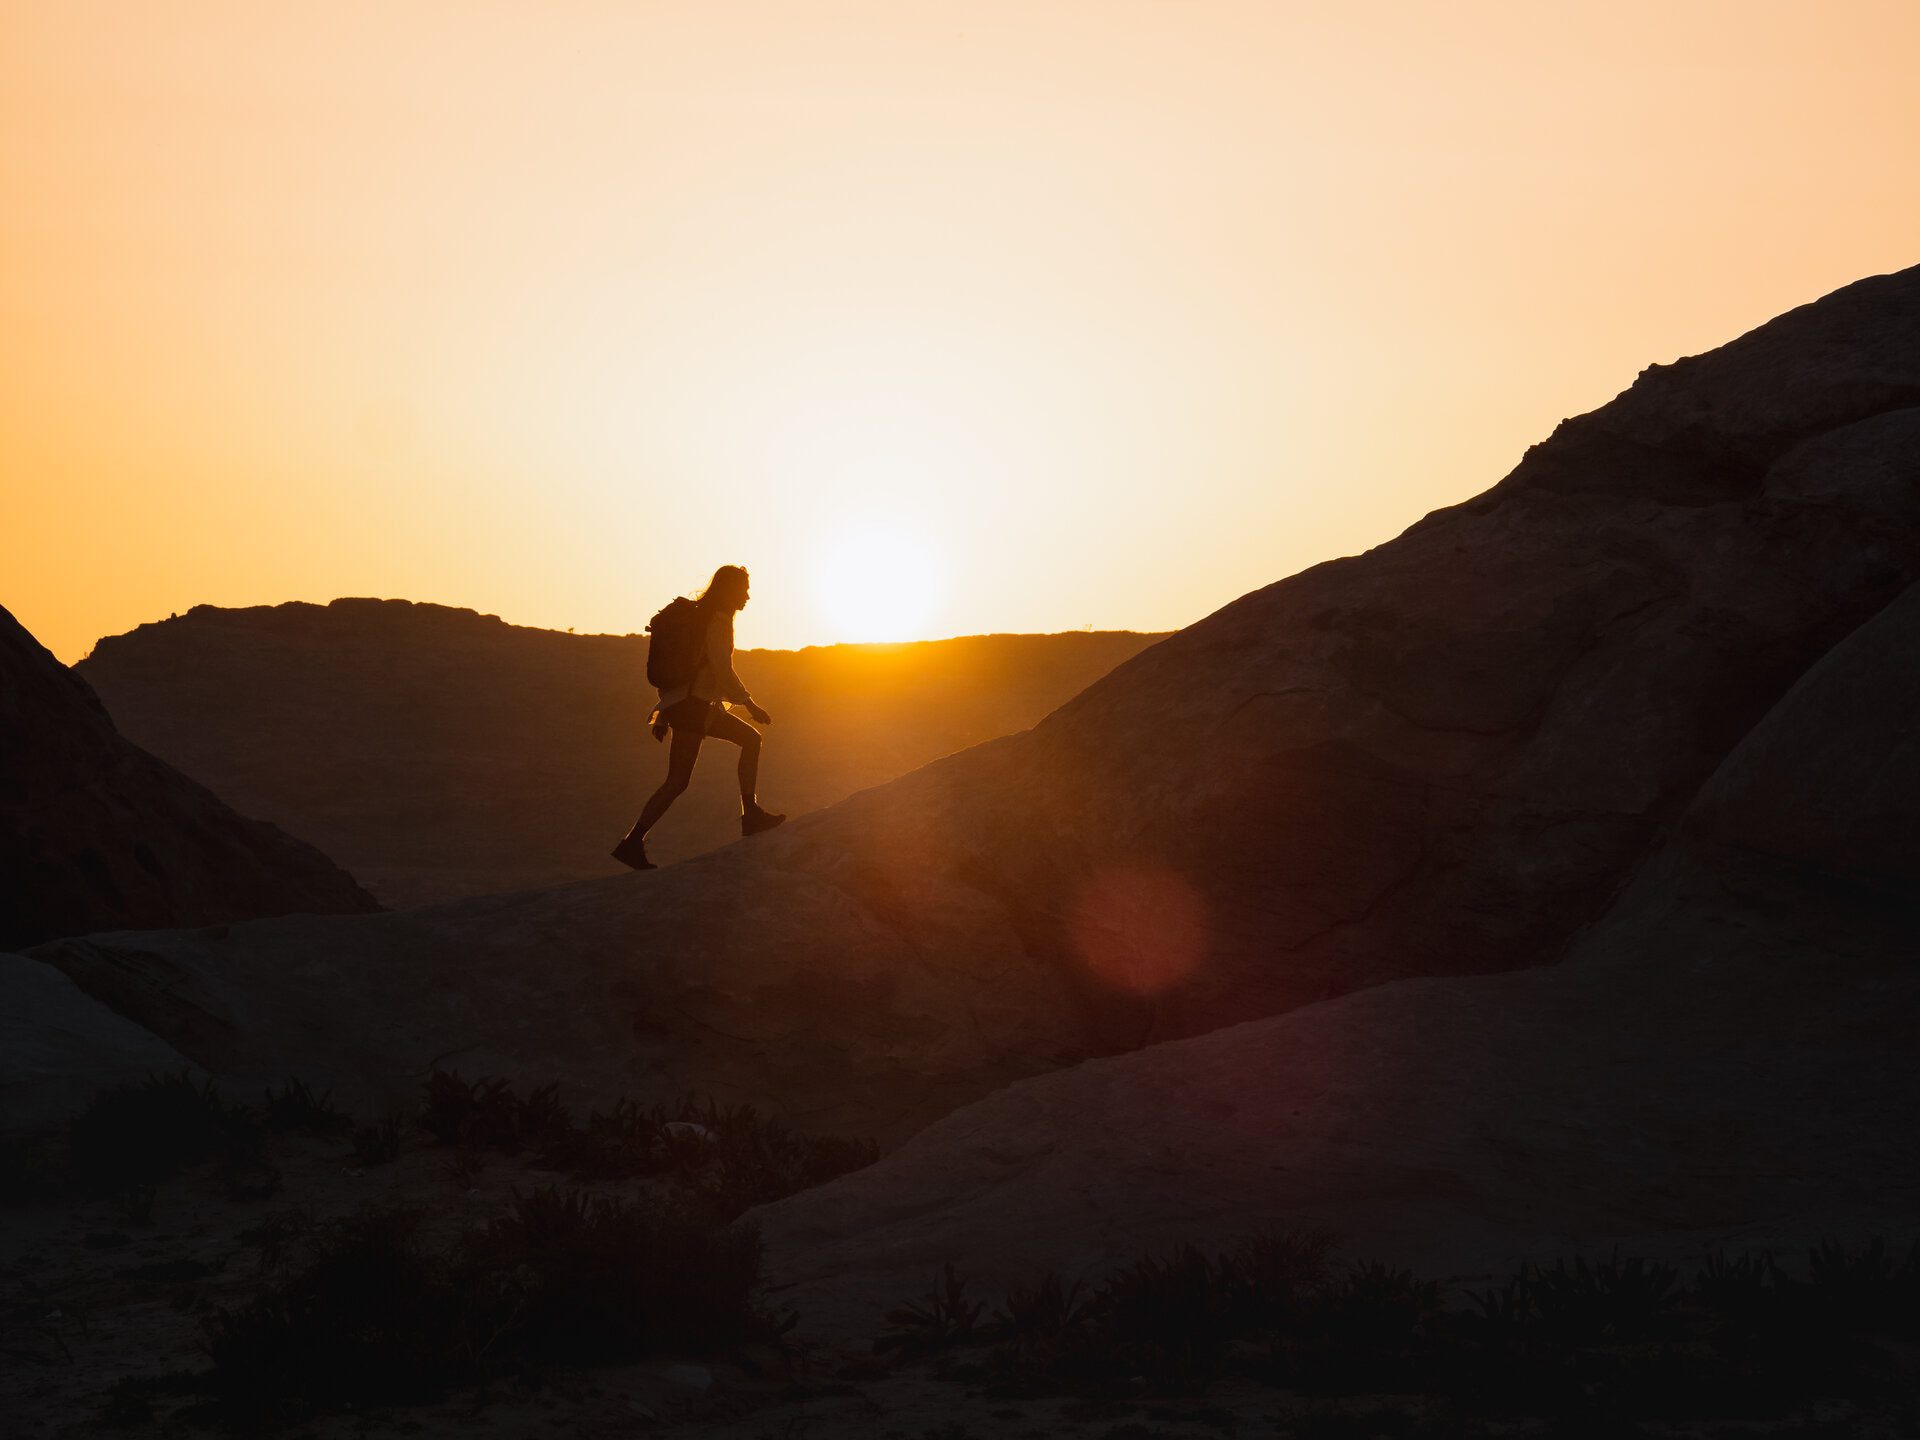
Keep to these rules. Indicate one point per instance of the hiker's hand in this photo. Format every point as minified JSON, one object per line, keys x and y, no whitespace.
{"x":758,"y":714}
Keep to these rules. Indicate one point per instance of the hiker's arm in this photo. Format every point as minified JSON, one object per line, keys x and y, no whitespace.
{"x":720,"y":657}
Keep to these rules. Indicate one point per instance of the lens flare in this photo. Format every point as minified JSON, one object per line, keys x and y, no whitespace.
{"x":1140,"y":928}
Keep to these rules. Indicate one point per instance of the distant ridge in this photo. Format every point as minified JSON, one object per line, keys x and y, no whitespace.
{"x":442,"y":753}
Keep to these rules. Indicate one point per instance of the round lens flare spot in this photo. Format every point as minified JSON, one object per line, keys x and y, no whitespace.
{"x":1139,"y":928}
{"x":874,"y":581}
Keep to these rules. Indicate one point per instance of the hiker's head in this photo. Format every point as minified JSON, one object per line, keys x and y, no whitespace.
{"x":727,"y":590}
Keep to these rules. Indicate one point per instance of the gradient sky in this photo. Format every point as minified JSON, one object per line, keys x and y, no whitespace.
{"x":1105,"y":312}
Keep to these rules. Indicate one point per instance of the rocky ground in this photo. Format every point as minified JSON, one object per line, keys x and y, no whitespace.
{"x":102,"y":1324}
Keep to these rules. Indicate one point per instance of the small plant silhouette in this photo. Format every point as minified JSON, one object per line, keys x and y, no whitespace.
{"x":1585,"y":1303}
{"x":131,"y":1138}
{"x":940,"y":1319}
{"x":729,"y":1159}
{"x":1041,"y":1313}
{"x":295,"y":1107}
{"x":379,"y":1143}
{"x":376,"y":1311}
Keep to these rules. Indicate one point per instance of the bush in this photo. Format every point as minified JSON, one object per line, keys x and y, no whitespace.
{"x":378,"y":1143}
{"x":295,"y":1107}
{"x":133,"y":1136}
{"x":730,"y":1159}
{"x":1615,"y":1338}
{"x":378,"y":1313}
{"x":735,"y":1159}
{"x":374,"y":1316}
{"x":1041,"y":1317}
{"x":484,"y":1113}
{"x":942,"y":1318}
{"x":1373,"y":1330}
{"x":1612,"y":1300}
{"x":1170,"y":1318}
{"x":600,"y":1278}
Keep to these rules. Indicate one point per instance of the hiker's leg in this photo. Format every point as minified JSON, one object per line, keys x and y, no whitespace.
{"x":686,"y":750}
{"x":727,"y":726}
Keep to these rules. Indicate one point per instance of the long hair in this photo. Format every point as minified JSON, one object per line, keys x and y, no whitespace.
{"x":726,"y":579}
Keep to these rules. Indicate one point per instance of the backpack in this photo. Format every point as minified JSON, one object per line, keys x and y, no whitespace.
{"x":673,"y":654}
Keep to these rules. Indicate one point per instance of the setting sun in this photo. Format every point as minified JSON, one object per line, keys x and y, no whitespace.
{"x":875,"y":580}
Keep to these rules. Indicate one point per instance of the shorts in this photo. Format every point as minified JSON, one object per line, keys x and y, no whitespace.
{"x":692,"y":714}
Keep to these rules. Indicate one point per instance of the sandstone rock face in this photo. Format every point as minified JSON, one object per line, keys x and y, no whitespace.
{"x":438,"y":753}
{"x":1443,"y":757}
{"x":59,"y":1047}
{"x":1831,"y":779}
{"x":1726,"y":1059}
{"x":96,"y":834}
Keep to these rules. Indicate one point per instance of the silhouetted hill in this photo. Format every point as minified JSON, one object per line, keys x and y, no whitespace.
{"x":1726,"y":1058}
{"x":443,"y":753}
{"x":96,"y":834}
{"x":1637,"y":723}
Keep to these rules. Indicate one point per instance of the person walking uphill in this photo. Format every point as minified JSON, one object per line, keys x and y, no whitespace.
{"x":690,"y":661}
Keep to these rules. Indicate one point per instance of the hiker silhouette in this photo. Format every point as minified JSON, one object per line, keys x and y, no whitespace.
{"x":690,"y":662}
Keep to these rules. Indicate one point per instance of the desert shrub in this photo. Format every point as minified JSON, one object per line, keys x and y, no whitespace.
{"x":276,"y":1234}
{"x":1737,"y":1285}
{"x":1865,"y":1289}
{"x":735,"y":1158}
{"x":374,"y":1315}
{"x":940,"y":1319}
{"x":1169,"y":1317}
{"x":600,"y":1277}
{"x":376,"y":1312}
{"x":32,"y":1168}
{"x":1275,"y":1271}
{"x":1612,"y":1300}
{"x":617,"y":1144}
{"x":542,"y":1119}
{"x":379,"y":1142}
{"x":131,"y":1137}
{"x":729,"y":1158}
{"x":1373,"y":1329}
{"x":1842,"y":1329}
{"x":295,"y":1107}
{"x":1040,"y":1316}
{"x":1613,"y":1341}
{"x":483,"y":1113}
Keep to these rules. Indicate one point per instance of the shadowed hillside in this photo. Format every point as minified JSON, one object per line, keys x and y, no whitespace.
{"x":1725,"y":1059}
{"x":96,"y":834}
{"x":441,"y":753}
{"x":1444,"y":757}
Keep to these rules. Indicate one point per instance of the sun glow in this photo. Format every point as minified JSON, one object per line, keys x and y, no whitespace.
{"x":876,"y":580}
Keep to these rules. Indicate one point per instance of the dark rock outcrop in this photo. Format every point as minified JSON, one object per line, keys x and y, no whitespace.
{"x":1444,"y":757}
{"x":59,"y":1047}
{"x":1726,"y":1059}
{"x":96,"y":834}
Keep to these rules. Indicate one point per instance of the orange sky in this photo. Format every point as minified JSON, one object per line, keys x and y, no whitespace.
{"x":1107,"y":312}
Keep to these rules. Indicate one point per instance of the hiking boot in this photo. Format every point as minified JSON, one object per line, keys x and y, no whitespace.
{"x":756,"y":820}
{"x":632,"y":852}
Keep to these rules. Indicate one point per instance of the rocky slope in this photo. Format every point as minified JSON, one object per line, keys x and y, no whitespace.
{"x":1444,"y":757}
{"x":96,"y":834}
{"x":1726,"y":1059}
{"x":59,"y":1047}
{"x":440,"y":753}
